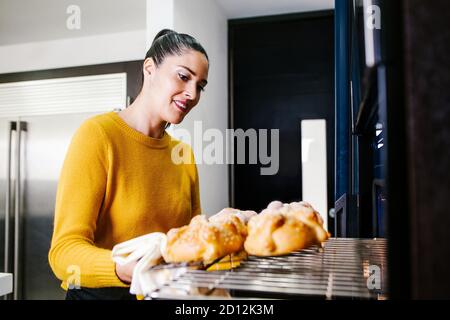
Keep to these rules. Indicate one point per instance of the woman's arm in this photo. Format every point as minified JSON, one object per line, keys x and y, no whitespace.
{"x":195,"y":193}
{"x":73,"y":256}
{"x":125,"y":272}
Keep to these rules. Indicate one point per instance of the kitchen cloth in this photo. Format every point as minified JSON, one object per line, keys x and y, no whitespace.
{"x":147,"y":251}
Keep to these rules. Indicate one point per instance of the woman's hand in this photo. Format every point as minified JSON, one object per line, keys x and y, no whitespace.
{"x":125,"y":272}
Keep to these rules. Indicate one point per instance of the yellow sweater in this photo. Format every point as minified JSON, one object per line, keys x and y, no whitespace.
{"x":116,"y":184}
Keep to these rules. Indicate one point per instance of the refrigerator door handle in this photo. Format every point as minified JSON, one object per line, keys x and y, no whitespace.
{"x":21,"y":126}
{"x":12,"y":127}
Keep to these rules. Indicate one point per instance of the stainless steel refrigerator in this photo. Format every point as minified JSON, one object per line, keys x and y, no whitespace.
{"x":37,"y":122}
{"x":32,"y":153}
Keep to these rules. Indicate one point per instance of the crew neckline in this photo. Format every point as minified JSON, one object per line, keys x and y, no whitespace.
{"x":139,"y":136}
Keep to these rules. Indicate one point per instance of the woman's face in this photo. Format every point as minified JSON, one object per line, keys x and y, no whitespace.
{"x":177,"y":83}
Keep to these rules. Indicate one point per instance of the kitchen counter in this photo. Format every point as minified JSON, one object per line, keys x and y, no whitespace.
{"x":6,"y":283}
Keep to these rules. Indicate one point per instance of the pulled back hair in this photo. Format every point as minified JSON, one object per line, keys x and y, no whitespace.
{"x":168,"y":42}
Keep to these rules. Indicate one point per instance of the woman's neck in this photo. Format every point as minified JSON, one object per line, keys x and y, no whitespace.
{"x":138,"y":115}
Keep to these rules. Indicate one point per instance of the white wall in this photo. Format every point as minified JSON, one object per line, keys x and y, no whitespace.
{"x":36,"y":35}
{"x":314,"y":165}
{"x":206,"y":21}
{"x":160,"y":15}
{"x":96,"y":49}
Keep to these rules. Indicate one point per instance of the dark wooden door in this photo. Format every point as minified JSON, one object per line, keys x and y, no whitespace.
{"x":281,"y":72}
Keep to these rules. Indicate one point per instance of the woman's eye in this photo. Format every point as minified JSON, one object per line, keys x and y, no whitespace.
{"x":183,"y":77}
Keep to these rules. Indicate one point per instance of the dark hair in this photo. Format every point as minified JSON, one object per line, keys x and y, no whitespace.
{"x":168,"y":42}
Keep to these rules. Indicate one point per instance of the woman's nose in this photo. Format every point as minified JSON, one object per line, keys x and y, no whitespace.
{"x":190,"y":93}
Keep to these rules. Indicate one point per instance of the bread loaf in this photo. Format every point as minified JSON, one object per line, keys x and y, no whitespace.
{"x":204,"y":240}
{"x":284,"y":228}
{"x":244,"y":215}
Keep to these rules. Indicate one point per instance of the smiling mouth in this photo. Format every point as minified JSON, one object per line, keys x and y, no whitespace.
{"x":181,"y":106}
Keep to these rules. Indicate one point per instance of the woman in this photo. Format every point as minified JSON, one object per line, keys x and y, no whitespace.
{"x":119,"y":182}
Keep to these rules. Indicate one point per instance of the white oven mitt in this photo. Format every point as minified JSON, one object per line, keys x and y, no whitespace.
{"x":147,"y":250}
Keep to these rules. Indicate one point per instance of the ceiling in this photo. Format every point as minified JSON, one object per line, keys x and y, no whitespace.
{"x":40,"y":20}
{"x":24,"y":21}
{"x":249,"y":8}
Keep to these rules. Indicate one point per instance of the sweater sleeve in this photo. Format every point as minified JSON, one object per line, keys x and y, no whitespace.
{"x":195,"y":200}
{"x":73,"y":256}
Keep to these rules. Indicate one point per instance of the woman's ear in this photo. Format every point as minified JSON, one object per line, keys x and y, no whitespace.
{"x":148,"y":67}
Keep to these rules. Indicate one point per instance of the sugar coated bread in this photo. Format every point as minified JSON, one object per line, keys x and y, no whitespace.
{"x":243,"y":215}
{"x":204,"y":240}
{"x":283,"y":228}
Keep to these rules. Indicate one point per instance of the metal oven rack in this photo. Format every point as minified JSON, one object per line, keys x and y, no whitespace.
{"x":345,"y":268}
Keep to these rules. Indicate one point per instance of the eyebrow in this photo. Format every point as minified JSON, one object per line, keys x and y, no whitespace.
{"x":191,"y":71}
